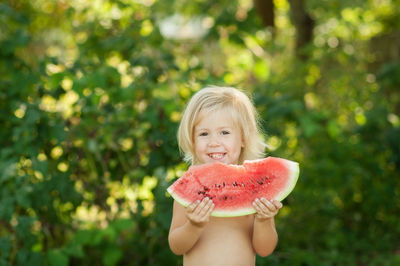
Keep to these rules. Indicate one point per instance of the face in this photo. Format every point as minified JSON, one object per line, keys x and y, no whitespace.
{"x":217,"y":138}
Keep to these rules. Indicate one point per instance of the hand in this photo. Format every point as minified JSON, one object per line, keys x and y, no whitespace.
{"x":266,"y":209}
{"x":198,"y":213}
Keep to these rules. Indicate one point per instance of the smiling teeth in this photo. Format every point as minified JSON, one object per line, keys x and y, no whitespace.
{"x":216,"y":155}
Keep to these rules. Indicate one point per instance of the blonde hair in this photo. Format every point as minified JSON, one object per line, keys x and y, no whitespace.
{"x":243,"y":113}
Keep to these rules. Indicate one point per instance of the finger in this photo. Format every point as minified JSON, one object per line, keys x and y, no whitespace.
{"x":263,"y":204}
{"x":263,"y":211}
{"x":202,"y":204}
{"x":209,"y":205}
{"x":268,"y":204}
{"x":277,"y":204}
{"x":259,"y":207}
{"x":193,"y":206}
{"x":210,"y":210}
{"x":263,"y":215}
{"x":259,"y":204}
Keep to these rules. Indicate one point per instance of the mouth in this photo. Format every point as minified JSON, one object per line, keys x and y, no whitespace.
{"x":217,"y":155}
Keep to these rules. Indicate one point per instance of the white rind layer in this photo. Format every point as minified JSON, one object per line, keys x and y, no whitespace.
{"x":180,"y":200}
{"x":294,"y":175}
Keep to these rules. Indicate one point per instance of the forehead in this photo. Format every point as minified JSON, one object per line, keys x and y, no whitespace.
{"x":215,"y":118}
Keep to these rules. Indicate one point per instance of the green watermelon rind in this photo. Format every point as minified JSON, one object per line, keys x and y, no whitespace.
{"x":180,"y":200}
{"x":294,"y":175}
{"x":294,"y":171}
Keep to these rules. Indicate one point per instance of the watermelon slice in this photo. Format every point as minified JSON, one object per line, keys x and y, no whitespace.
{"x":233,"y":188}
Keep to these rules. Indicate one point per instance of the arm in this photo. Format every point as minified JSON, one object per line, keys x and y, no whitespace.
{"x":187,"y":225}
{"x":265,"y":236}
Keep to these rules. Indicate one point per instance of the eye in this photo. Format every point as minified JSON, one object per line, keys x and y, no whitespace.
{"x":203,"y":134}
{"x":225,"y":132}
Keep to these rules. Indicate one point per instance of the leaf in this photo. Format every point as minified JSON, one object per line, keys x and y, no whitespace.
{"x":56,"y":257}
{"x":8,"y":170}
{"x":122,"y":224}
{"x":24,"y":224}
{"x":261,"y":70}
{"x":83,"y":237}
{"x":112,"y":256}
{"x":23,"y":196}
{"x":92,"y":145}
{"x":74,"y":250}
{"x":3,"y":262}
{"x":309,"y":125}
{"x":27,"y":257}
{"x":108,"y":233}
{"x":5,"y":247}
{"x":7,"y":208}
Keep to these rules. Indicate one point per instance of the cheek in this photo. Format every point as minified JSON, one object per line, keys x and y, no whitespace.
{"x":235,"y":145}
{"x":199,"y":145}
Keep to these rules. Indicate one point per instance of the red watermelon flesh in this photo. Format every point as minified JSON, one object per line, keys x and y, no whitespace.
{"x":233,"y":188}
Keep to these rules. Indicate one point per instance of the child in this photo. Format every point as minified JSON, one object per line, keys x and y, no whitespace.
{"x":220,"y":125}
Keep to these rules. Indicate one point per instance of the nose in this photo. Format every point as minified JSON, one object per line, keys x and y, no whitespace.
{"x":213,"y":141}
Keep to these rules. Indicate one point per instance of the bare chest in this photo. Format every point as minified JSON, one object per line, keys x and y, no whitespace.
{"x":224,"y":241}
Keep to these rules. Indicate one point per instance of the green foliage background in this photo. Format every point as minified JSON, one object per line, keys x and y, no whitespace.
{"x":91,"y":95}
